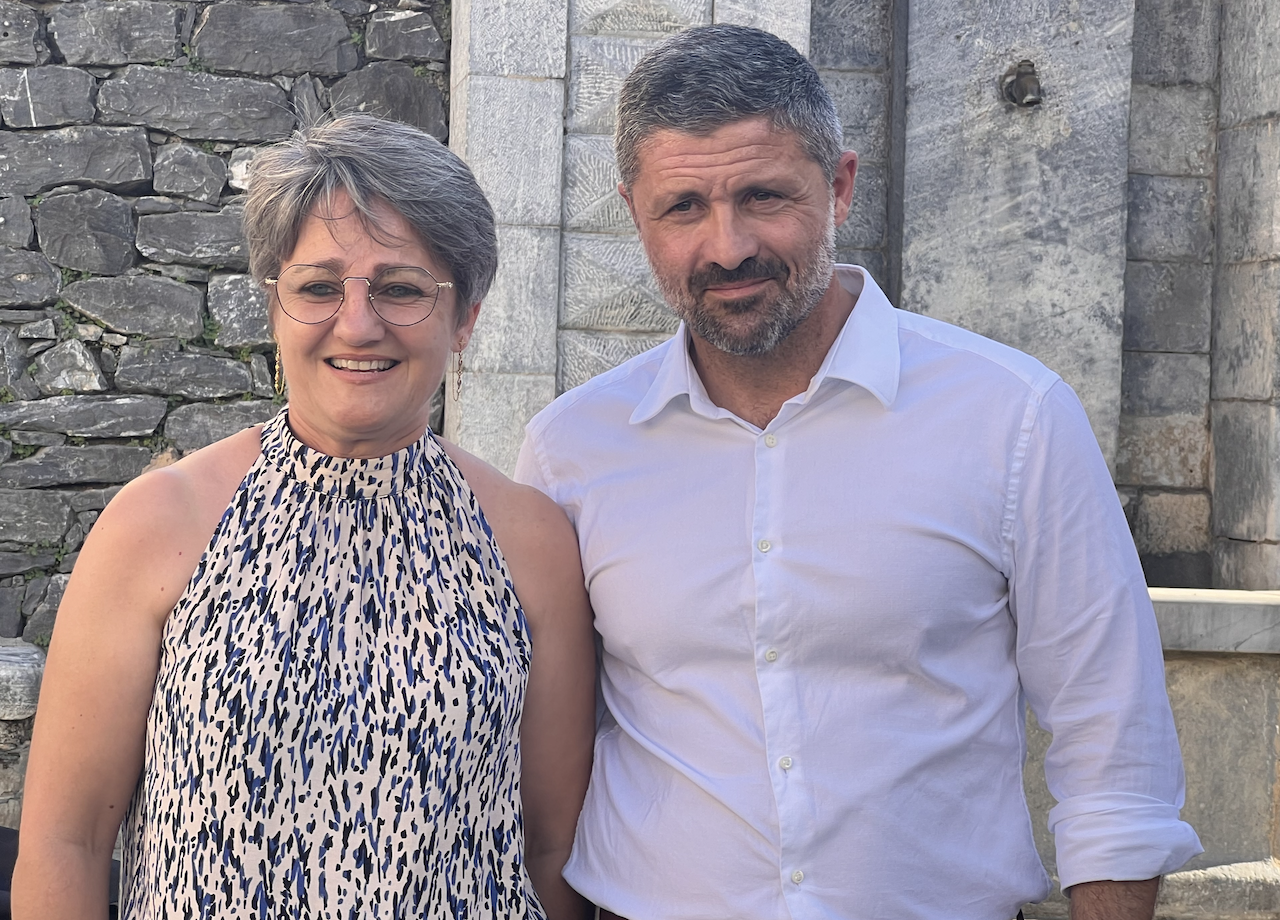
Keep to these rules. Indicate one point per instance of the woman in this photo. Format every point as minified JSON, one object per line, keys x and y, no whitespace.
{"x":295,"y":662}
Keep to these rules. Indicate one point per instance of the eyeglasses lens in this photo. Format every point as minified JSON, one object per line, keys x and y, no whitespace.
{"x":401,"y":295}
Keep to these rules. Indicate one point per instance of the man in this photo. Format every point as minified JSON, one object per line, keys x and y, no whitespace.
{"x":832,"y":548}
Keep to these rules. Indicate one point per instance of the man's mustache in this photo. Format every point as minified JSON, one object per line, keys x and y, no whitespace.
{"x":751,"y":269}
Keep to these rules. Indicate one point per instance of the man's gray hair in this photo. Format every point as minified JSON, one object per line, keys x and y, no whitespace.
{"x":373,"y":160}
{"x":702,"y":79}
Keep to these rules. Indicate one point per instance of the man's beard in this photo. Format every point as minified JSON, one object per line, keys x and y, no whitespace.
{"x":779,"y":313}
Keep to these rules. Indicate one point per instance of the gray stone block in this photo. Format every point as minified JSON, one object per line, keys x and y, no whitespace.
{"x":181,"y":169}
{"x":1177,"y":570}
{"x":1246,"y":452}
{"x":87,"y":416}
{"x":91,"y":499}
{"x":1245,"y":565}
{"x":33,"y":518}
{"x":403,"y":35}
{"x":238,"y":305}
{"x":140,"y":305}
{"x":597,"y":67}
{"x":41,"y":97}
{"x":862,"y":102}
{"x":516,"y":332}
{"x":198,"y":425}
{"x":867,"y":226}
{"x":39,"y":329}
{"x":391,"y":89}
{"x":1173,"y":130}
{"x":1163,"y":451}
{"x":489,"y":418}
{"x":38,"y":438}
{"x":1164,"y":384}
{"x":1246,"y":332}
{"x":91,"y":231}
{"x":213,"y":239}
{"x":787,"y":19}
{"x":1221,"y":620}
{"x":69,"y":366}
{"x":41,"y":618}
{"x":26,"y":278}
{"x":263,"y":375}
{"x":636,"y":17}
{"x":15,"y":223}
{"x":1170,"y":219}
{"x":607,"y":284}
{"x":11,"y":606}
{"x":591,"y":199}
{"x":13,"y":367}
{"x":274,"y":39}
{"x":850,"y":34}
{"x":1175,"y":41}
{"x":186,"y":374}
{"x":21,"y":667}
{"x":498,"y":38}
{"x":196,"y":105}
{"x":486,"y":137}
{"x":583,"y":355}
{"x":1250,"y":63}
{"x":1167,"y":306}
{"x":113,"y":32}
{"x":1249,"y":193}
{"x":18,"y":37}
{"x":1172,"y":522}
{"x":33,"y":161}
{"x":59,"y":466}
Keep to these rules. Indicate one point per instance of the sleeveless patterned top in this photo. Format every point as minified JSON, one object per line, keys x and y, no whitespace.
{"x":335,"y":721}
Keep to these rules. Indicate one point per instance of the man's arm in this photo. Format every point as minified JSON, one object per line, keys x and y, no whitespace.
{"x":1114,"y":900}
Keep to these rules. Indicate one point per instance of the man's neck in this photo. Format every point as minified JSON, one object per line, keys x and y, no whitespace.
{"x":755,"y":387}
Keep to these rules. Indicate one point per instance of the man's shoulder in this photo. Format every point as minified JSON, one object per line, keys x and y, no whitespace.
{"x":935,"y":339}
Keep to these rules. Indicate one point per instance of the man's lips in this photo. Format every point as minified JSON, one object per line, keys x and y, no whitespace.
{"x":364,"y":365}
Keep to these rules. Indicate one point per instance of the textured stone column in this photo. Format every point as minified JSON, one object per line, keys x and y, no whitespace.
{"x":1246,"y":341}
{"x":1013,"y":218}
{"x":507,"y":100}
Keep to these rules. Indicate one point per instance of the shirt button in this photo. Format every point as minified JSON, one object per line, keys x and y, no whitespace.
{"x":770,"y":440}
{"x":771,"y":655}
{"x":785,"y":763}
{"x":797,"y":876}
{"x":764,"y":546}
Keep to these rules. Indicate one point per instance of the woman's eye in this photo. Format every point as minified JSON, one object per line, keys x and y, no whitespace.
{"x":400,"y":292}
{"x":320,"y":289}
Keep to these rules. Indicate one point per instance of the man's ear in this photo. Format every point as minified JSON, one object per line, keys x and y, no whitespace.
{"x":842,"y":185}
{"x":626,"y":196}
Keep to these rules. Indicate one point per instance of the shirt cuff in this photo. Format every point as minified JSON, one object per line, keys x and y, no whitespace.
{"x":1119,"y":837}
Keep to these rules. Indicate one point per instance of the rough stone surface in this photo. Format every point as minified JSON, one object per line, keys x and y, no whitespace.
{"x":1170,"y":219}
{"x":41,"y":617}
{"x":1246,"y":332}
{"x":13,"y":367}
{"x":56,"y":466}
{"x":1164,"y":384}
{"x":1249,"y":193}
{"x":403,"y":35}
{"x":39,"y":329}
{"x":10,"y":605}
{"x":112,"y":32}
{"x":1246,"y":438}
{"x":273,"y":39}
{"x":636,"y":17}
{"x":21,"y":667}
{"x":181,"y":169}
{"x":32,"y":161}
{"x":238,"y":168}
{"x":18,"y":37}
{"x":1218,"y":620}
{"x":1172,"y":522}
{"x":862,"y":102}
{"x":196,"y":105}
{"x":607,"y":285}
{"x":499,"y":38}
{"x":493,"y":417}
{"x":215,"y":239}
{"x":510,"y":337}
{"x":1047,"y":276}
{"x":196,"y":426}
{"x":1246,"y":565}
{"x":91,"y":231}
{"x":87,"y":416}
{"x":597,"y":67}
{"x":39,"y":97}
{"x":238,"y":305}
{"x":32,"y":517}
{"x":26,"y":278}
{"x":193,"y":376}
{"x":139,"y":305}
{"x":583,"y":355}
{"x":1173,"y":130}
{"x":69,"y":366}
{"x":850,"y":34}
{"x":867,"y":226}
{"x":1175,"y":41}
{"x":1250,"y":66}
{"x":591,"y":201}
{"x":788,"y":19}
{"x":1166,"y":451}
{"x":15,"y":223}
{"x":391,"y":89}
{"x":1167,"y":306}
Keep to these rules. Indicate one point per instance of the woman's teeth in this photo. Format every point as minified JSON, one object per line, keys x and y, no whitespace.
{"x":345,"y":364}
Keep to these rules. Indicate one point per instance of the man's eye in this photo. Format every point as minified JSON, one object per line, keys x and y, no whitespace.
{"x":683,"y":206}
{"x":763,"y":196}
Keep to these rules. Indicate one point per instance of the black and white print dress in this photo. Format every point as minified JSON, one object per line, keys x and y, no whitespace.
{"x":335,"y":722}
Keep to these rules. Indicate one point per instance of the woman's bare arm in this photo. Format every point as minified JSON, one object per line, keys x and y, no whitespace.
{"x":87,"y":745}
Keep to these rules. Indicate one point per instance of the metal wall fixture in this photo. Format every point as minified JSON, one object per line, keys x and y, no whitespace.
{"x":1021,"y":85}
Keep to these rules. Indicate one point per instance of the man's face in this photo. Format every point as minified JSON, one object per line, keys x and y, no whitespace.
{"x":739,"y":227}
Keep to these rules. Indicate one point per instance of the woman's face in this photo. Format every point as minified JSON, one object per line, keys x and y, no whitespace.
{"x":358,"y":385}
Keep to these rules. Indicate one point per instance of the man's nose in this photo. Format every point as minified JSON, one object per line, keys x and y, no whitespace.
{"x":729,"y":239}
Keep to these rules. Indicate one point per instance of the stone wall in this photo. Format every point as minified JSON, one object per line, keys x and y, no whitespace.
{"x":129,"y":331}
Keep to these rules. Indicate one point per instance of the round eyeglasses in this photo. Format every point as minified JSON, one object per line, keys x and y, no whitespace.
{"x":401,"y":295}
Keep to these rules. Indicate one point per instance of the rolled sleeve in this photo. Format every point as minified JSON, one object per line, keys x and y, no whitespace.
{"x":1089,"y":658}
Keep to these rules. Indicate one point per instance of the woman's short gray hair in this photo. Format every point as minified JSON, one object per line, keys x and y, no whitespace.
{"x":373,"y":160}
{"x":704,"y":78}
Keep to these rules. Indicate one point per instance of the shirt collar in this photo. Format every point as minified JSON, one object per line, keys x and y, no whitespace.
{"x":865,"y":353}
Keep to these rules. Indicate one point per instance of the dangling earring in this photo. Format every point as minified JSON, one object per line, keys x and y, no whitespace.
{"x":279,"y":381}
{"x":458,"y":374}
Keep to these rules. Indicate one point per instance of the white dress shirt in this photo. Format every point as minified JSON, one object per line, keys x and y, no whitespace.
{"x":818,"y":638}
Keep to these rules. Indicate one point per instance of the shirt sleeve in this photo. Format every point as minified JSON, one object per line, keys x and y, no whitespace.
{"x":1089,"y":658}
{"x":528,"y":471}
